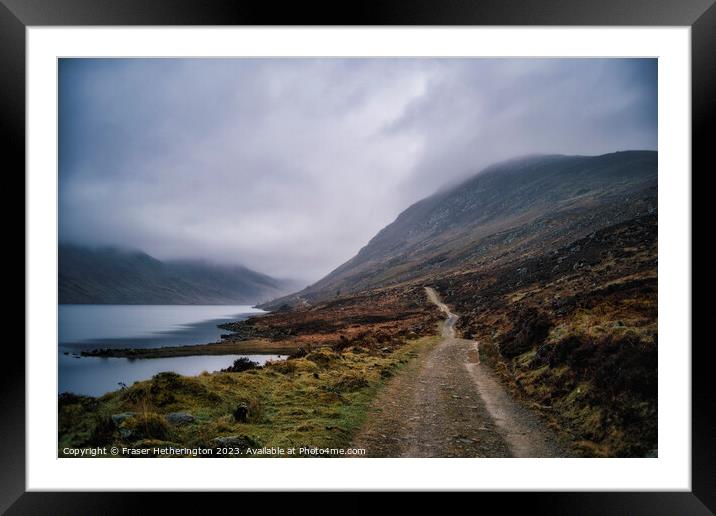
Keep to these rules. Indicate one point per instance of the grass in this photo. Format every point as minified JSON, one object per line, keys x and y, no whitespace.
{"x":320,"y":400}
{"x":631,"y":317}
{"x":602,"y":389}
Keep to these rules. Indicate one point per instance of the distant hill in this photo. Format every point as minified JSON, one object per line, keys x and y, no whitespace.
{"x":116,"y":276}
{"x":507,"y":211}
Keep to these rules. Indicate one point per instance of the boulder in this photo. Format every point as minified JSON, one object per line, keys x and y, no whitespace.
{"x":179,"y":418}
{"x":231,"y":441}
{"x":118,"y":419}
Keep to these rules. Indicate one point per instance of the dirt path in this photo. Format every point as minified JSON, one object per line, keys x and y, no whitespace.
{"x":447,"y":404}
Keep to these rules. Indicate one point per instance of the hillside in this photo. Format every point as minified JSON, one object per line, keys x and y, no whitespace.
{"x":551,"y":263}
{"x":508,"y":210}
{"x":548,"y":267}
{"x":115,"y":276}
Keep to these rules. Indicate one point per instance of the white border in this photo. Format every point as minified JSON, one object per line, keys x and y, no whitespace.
{"x":670,"y":471}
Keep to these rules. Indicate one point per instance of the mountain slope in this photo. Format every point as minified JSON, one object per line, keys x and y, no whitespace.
{"x":115,"y":276}
{"x":507,"y":210}
{"x":551,"y":263}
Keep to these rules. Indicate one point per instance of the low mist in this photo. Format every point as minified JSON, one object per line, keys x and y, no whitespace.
{"x":290,"y":166}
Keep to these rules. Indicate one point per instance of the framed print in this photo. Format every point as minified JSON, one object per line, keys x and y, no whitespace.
{"x":441,"y":249}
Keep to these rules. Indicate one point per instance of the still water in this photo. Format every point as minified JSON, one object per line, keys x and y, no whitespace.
{"x":84,"y":327}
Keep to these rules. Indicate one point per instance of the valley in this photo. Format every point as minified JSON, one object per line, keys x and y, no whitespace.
{"x":546,"y":268}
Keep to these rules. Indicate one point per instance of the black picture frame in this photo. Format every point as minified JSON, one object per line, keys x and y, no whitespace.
{"x":17,"y":15}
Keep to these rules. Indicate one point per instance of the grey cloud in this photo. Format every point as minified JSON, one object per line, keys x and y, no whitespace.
{"x":290,"y":165}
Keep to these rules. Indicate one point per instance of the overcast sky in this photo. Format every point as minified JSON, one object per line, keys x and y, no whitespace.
{"x":290,"y":166}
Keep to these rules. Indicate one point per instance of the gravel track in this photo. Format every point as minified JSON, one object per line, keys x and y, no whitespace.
{"x":446,"y":403}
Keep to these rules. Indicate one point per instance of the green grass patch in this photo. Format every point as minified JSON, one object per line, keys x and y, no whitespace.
{"x":320,"y":400}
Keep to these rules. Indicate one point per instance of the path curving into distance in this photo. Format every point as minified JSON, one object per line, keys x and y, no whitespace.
{"x":447,"y":404}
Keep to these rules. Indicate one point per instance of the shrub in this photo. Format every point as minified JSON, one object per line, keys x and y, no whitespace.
{"x":284,"y":366}
{"x":530,"y":330}
{"x":102,"y":430}
{"x":144,"y":426}
{"x":241,"y":364}
{"x":322,"y":357}
{"x":342,"y":344}
{"x":385,"y":373}
{"x":299,"y":353}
